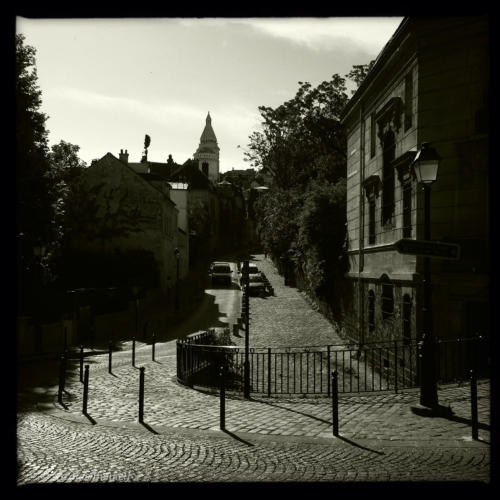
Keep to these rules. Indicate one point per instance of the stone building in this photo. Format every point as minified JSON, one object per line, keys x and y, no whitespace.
{"x":428,"y":84}
{"x":123,"y":210}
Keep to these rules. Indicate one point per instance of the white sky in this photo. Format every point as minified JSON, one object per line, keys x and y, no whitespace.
{"x":106,"y":83}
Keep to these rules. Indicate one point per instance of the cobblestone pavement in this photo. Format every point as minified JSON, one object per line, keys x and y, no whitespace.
{"x":267,"y":439}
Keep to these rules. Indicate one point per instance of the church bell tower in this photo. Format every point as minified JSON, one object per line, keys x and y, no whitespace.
{"x":207,"y":153}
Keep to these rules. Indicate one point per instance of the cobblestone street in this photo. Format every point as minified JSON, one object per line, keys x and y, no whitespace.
{"x":266,"y":439}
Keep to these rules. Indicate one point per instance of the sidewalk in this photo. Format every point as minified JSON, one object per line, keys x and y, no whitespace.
{"x":285,"y":319}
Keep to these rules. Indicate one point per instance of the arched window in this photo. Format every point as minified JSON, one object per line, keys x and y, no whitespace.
{"x":389,"y":148}
{"x":406,"y":319}
{"x":387,"y":298}
{"x":371,"y":311}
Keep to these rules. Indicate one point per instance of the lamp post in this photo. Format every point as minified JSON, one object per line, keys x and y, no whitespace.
{"x":246,"y":366}
{"x":425,"y":166}
{"x":176,"y":251}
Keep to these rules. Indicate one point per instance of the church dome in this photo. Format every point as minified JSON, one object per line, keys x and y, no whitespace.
{"x":208,"y":134}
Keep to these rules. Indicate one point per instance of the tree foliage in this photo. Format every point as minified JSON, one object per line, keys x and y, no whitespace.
{"x":303,"y":138}
{"x":358,"y":73}
{"x":302,"y":144}
{"x":44,"y":180}
{"x":34,"y":200}
{"x":277,"y":214}
{"x":66,"y":167}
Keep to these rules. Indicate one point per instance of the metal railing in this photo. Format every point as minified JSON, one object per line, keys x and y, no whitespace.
{"x":382,"y":366}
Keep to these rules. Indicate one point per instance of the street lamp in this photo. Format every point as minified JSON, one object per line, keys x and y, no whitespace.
{"x":176,"y":252}
{"x":425,"y":165}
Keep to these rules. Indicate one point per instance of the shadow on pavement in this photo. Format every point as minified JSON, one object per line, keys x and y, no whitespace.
{"x":92,"y":421}
{"x":293,"y":411}
{"x":468,"y":421}
{"x":38,"y":379}
{"x":248,"y":443}
{"x":148,"y":427}
{"x":348,"y":441}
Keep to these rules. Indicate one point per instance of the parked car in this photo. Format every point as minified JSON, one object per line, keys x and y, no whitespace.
{"x":253,"y":270}
{"x":257,"y":285}
{"x":221,"y":273}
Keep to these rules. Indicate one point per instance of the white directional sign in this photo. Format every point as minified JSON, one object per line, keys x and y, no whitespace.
{"x":434,"y":249}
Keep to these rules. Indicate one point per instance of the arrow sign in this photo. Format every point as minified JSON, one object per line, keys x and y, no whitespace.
{"x":434,"y":249}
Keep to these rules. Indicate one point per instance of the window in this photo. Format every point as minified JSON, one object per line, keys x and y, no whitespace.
{"x":406,"y":186}
{"x":408,"y":100}
{"x":387,"y":298}
{"x":204,"y":168}
{"x":373,"y":135}
{"x":371,"y":220}
{"x":371,"y":311}
{"x":388,"y":179}
{"x":406,"y":319}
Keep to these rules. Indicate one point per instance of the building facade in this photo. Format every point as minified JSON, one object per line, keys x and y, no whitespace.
{"x":428,"y":85}
{"x":123,"y":210}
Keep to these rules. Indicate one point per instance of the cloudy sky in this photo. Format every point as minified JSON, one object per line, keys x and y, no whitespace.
{"x":107,"y":82}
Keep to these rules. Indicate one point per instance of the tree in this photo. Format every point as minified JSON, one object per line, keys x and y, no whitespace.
{"x":302,"y":144}
{"x":277,"y":212}
{"x":34,"y":193}
{"x":34,"y":212}
{"x":302,"y":138}
{"x":358,"y":73}
{"x":320,"y":240}
{"x":66,"y":167}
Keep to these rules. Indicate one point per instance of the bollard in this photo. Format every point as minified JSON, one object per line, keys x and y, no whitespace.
{"x":222,"y":423}
{"x":85,"y":390}
{"x":110,"y":358}
{"x":396,"y":366}
{"x":62,"y":379}
{"x":335,"y":403}
{"x":269,"y":371}
{"x":133,"y":351}
{"x":81,"y":363}
{"x":153,"y":347}
{"x":141,"y":394}
{"x":473,"y":404}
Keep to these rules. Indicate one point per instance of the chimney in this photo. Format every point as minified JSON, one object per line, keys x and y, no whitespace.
{"x":123,"y":156}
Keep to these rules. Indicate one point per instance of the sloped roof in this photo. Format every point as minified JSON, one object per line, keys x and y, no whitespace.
{"x":109,"y":157}
{"x":189,"y":172}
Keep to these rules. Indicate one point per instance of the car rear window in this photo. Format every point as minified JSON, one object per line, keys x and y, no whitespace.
{"x":255,"y":278}
{"x":221,"y":269}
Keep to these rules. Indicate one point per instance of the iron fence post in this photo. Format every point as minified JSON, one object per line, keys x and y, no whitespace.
{"x":81,"y":363}
{"x":141,"y":394}
{"x":335,"y":403}
{"x":153,"y":347}
{"x":222,"y":422}
{"x":85,"y":389}
{"x":133,"y":351}
{"x":395,"y":366}
{"x":328,"y":370}
{"x":269,"y":371}
{"x":473,"y":404}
